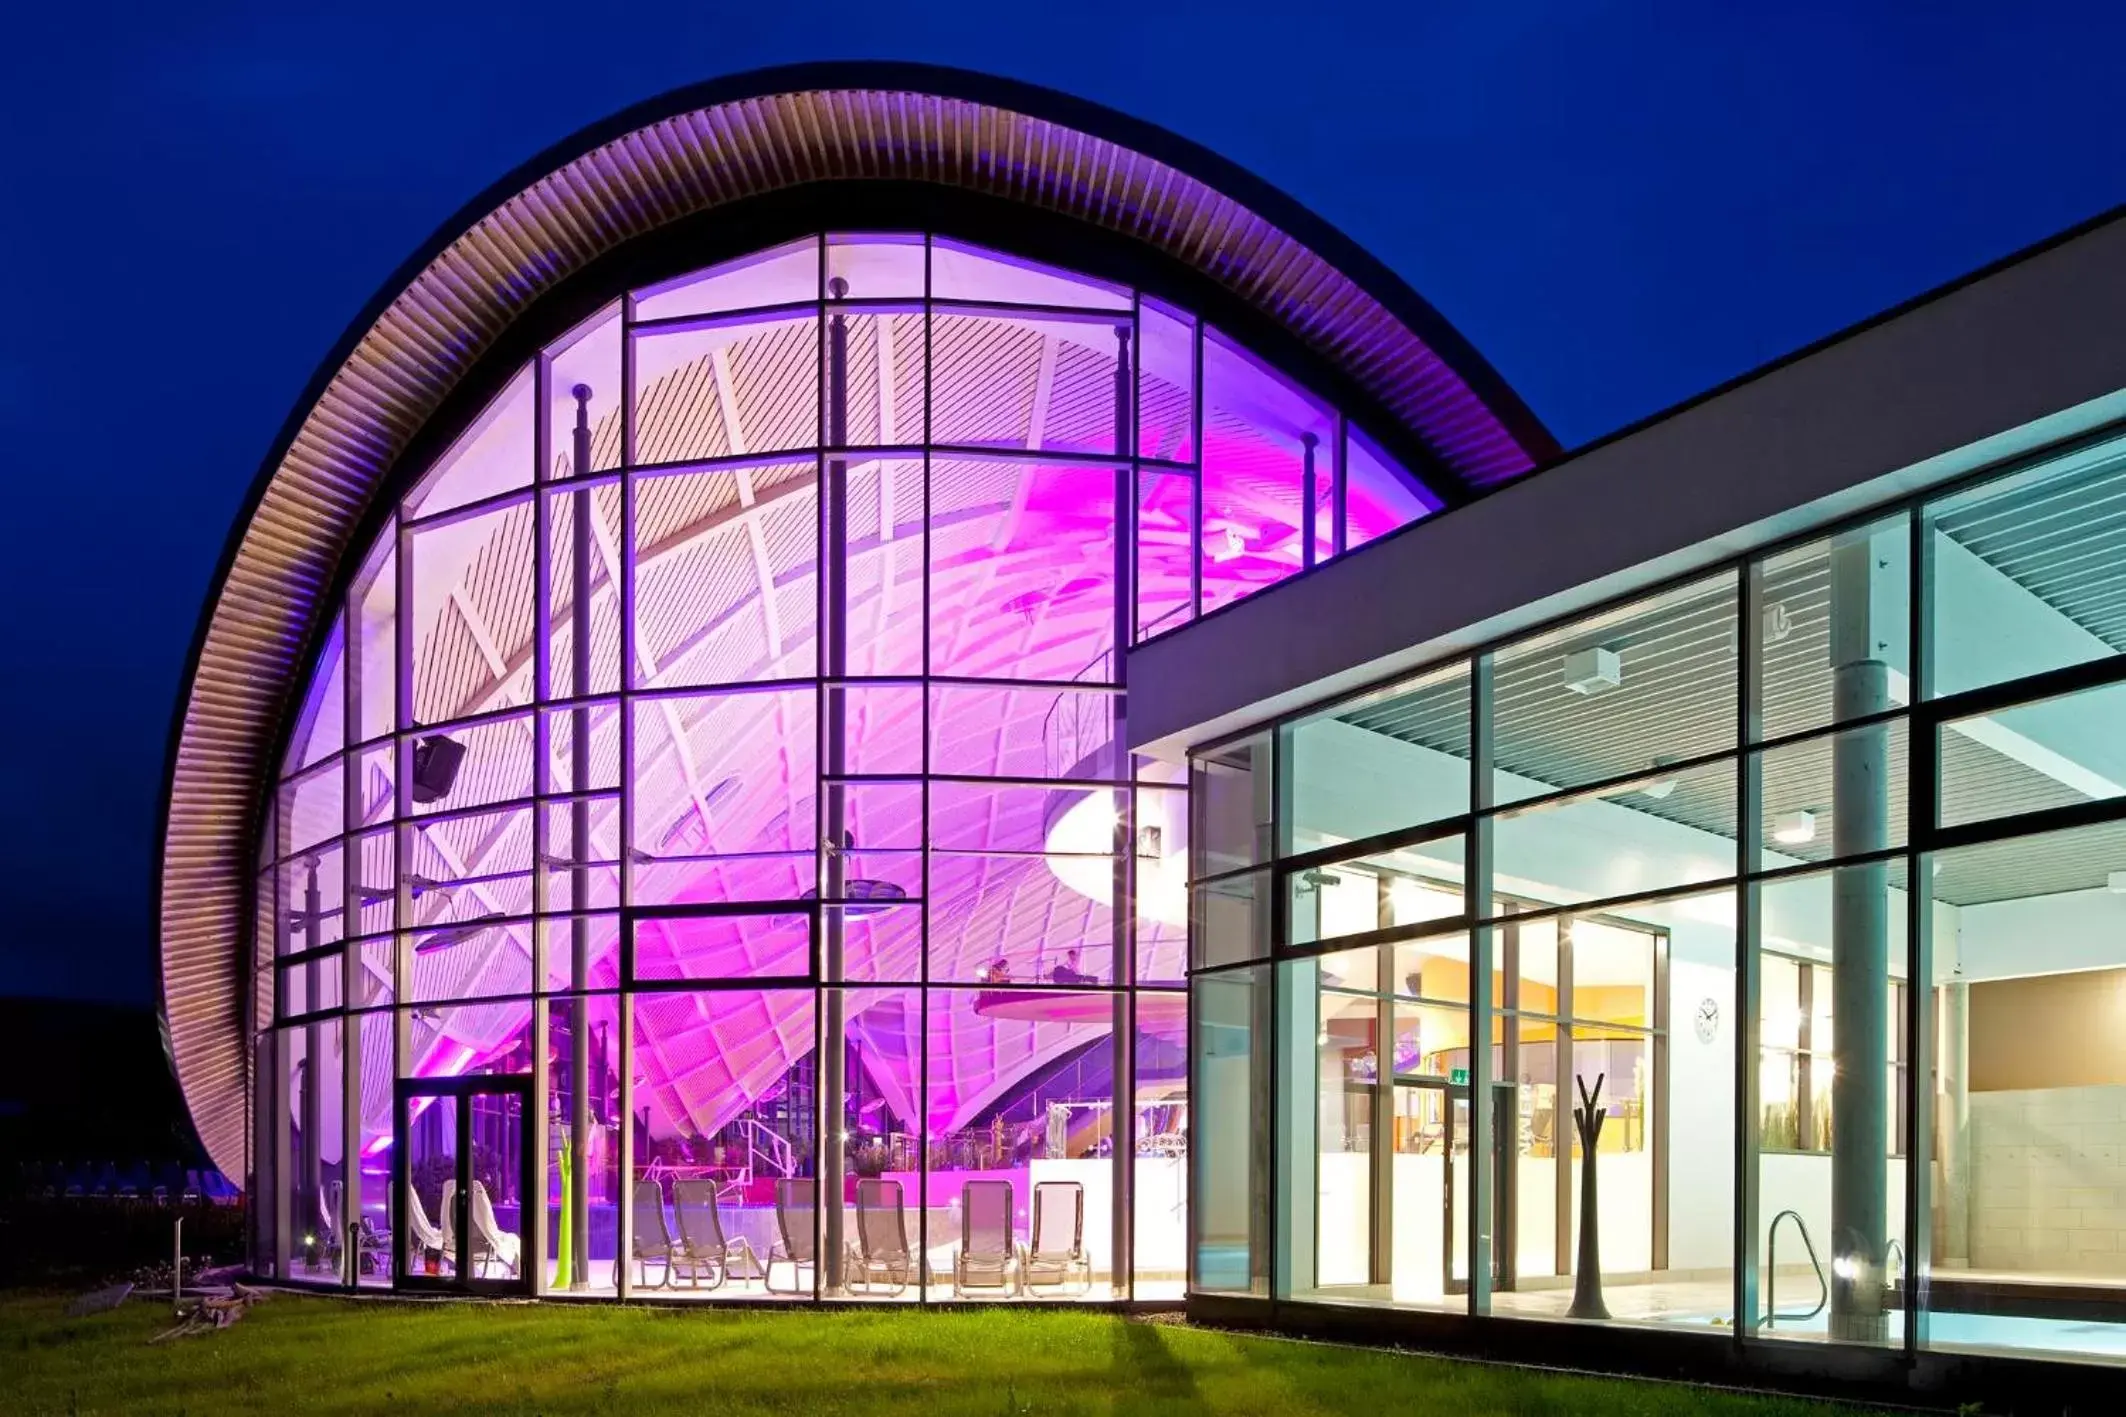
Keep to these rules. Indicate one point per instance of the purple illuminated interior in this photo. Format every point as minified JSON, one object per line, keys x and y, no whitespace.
{"x":983,"y":409}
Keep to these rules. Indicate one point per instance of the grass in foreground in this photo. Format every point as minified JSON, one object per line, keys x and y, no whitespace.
{"x":293,"y":1354}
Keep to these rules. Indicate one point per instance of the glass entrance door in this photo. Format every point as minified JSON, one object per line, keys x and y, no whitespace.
{"x":1432,"y":1130}
{"x":1457,"y":1108}
{"x":461,"y":1183}
{"x":1429,"y":1132}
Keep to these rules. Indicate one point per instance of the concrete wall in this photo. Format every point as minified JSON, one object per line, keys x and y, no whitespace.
{"x":2049,"y":1192}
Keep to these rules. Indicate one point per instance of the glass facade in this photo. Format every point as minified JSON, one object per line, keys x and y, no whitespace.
{"x":706,"y":861}
{"x":1747,"y":957}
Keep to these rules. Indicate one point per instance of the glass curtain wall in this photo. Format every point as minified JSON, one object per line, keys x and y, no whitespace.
{"x":1790,"y":897}
{"x":722,"y":748}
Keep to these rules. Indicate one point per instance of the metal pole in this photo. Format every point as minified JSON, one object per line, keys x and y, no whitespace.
{"x":620,"y":1039}
{"x":1307,"y":511}
{"x":1743,"y":1008}
{"x":1955,"y":1124}
{"x":834,"y":640}
{"x":1340,"y":490}
{"x":579,"y":1030}
{"x":1477,"y":900}
{"x":313,"y":1163}
{"x":1123,"y":895}
{"x":1860,"y":953}
{"x":1380,"y":1250}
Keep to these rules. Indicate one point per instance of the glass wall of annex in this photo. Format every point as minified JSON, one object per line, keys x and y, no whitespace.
{"x":1748,"y":956}
{"x":705,"y":863}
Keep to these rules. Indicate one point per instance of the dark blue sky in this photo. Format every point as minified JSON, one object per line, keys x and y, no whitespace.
{"x":1620,"y":205}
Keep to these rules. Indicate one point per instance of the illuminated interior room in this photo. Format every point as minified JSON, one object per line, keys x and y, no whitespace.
{"x":1708,"y":816}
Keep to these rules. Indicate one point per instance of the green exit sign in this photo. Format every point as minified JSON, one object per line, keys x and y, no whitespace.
{"x":1458,"y":1076}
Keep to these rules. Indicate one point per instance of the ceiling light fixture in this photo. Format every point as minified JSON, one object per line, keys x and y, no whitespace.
{"x":1793,"y":828}
{"x":1594,"y":670}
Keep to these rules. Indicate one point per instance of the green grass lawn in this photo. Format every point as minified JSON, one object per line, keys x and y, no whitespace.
{"x":293,"y":1354}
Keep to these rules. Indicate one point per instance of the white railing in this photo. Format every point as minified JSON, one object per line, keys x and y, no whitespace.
{"x":781,"y":1157}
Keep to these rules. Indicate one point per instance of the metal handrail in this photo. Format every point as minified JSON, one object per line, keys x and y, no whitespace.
{"x":1059,"y":755}
{"x":1771,"y":1277}
{"x":780,"y":1156}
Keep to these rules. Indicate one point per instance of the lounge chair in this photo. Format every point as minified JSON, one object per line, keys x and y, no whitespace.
{"x":988,"y":1256}
{"x":653,"y":1242}
{"x":422,"y":1236}
{"x":329,"y":1245}
{"x":1057,"y":1256}
{"x":702,"y":1246}
{"x":490,"y":1242}
{"x":795,"y":1204}
{"x":447,"y":1211}
{"x":880,"y":1255}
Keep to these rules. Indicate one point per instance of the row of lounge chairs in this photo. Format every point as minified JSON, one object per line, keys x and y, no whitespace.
{"x":989,"y":1254}
{"x":160,"y":1186}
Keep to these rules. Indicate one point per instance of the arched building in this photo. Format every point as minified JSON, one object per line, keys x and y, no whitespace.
{"x":659,"y":730}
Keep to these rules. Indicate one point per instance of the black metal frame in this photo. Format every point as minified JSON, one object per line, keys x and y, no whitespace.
{"x":1907,"y":1364}
{"x":634,"y":916}
{"x":1503,"y":1192}
{"x":688,"y":245}
{"x":554,"y":904}
{"x":463,"y":1089}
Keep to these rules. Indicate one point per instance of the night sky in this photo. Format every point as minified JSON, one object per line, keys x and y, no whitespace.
{"x":1621,"y":206}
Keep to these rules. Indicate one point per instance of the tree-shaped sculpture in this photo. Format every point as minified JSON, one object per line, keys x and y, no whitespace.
{"x":1587,"y":1278}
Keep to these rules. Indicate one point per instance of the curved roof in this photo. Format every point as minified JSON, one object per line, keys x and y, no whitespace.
{"x":678,"y":156}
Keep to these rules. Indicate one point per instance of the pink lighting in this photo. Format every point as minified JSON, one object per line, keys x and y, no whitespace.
{"x":948,"y":697}
{"x":991,"y":143}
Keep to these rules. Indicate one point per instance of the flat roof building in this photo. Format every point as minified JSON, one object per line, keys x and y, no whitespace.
{"x":871,"y":684}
